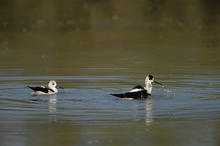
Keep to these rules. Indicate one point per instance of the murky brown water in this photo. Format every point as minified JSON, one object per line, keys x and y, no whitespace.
{"x":94,"y":48}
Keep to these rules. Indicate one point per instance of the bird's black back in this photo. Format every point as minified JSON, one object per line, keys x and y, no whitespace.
{"x":138,"y":87}
{"x":42,"y":89}
{"x":135,"y":95}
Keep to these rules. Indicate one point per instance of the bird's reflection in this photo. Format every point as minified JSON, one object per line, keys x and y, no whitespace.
{"x":52,"y":108}
{"x":149,"y":116}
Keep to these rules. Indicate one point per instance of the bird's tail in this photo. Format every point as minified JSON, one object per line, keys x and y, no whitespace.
{"x":118,"y":95}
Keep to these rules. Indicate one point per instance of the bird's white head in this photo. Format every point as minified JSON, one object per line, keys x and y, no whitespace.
{"x":149,"y":79}
{"x":52,"y":85}
{"x":148,"y":82}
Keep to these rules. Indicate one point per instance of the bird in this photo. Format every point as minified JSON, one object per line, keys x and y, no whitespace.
{"x":51,"y":89}
{"x":139,"y":92}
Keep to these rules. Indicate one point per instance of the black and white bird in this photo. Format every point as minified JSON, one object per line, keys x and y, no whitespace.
{"x":139,"y":92}
{"x":51,"y":89}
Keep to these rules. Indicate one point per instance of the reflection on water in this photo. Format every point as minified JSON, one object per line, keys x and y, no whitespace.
{"x":149,"y":116}
{"x":52,"y":103}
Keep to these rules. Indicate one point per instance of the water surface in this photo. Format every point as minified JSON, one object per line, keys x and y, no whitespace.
{"x":105,"y":50}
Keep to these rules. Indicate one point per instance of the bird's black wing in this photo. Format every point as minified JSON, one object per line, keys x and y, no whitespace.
{"x":135,"y":95}
{"x":42,"y":89}
{"x":138,"y":87}
{"x":51,"y":89}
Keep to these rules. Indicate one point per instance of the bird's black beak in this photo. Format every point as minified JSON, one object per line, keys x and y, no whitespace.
{"x":60,"y":87}
{"x":157,"y":82}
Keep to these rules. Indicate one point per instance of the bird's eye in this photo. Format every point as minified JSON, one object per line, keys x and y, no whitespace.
{"x":150,"y":77}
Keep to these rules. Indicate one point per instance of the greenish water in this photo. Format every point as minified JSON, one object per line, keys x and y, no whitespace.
{"x":95,"y":48}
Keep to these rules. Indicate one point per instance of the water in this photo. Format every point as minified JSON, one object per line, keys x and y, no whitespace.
{"x":102,"y":51}
{"x":85,"y":112}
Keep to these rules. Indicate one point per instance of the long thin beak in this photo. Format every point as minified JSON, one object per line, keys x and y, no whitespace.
{"x":157,"y":82}
{"x":60,"y":87}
